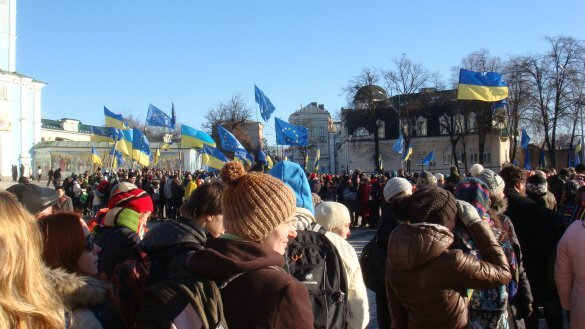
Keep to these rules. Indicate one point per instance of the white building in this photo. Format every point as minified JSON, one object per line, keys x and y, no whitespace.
{"x":20,"y":99}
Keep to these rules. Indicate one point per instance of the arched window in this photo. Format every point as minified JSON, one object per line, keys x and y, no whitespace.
{"x":471,"y":122}
{"x":459,"y":123}
{"x":421,"y":126}
{"x":361,"y":133}
{"x":381,"y":128}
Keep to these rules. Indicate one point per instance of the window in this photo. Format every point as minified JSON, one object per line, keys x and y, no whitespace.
{"x":460,"y":156}
{"x":459,"y":123}
{"x":447,"y":157}
{"x":473,"y":158}
{"x":471,"y":122}
{"x":444,"y":124}
{"x":487,"y":157}
{"x":312,"y":132}
{"x":322,"y":132}
{"x":361,"y":132}
{"x":419,"y":127}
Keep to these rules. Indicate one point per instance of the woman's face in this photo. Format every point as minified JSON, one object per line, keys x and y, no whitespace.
{"x":88,"y":261}
{"x":214,"y":224}
{"x":278,"y":239}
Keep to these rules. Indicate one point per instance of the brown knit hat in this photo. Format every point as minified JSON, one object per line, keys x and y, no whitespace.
{"x":432,"y":204}
{"x":254,"y":203}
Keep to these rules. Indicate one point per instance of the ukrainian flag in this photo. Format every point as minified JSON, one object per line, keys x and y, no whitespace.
{"x":192,"y":137}
{"x":156,"y":156}
{"x":100,"y":134}
{"x":114,"y":120}
{"x":407,"y":154}
{"x":269,"y":163}
{"x":317,"y":157}
{"x":140,"y":148}
{"x":481,"y":86}
{"x":213,"y":157}
{"x":124,"y":145}
{"x":95,"y":157}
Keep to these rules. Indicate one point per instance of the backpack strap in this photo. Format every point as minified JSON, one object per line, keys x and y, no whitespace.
{"x":224,"y":283}
{"x":316,"y":228}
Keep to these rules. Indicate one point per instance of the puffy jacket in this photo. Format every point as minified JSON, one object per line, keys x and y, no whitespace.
{"x":426,"y":281}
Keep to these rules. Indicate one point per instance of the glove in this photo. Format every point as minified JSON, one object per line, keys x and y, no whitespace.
{"x":467,"y":213}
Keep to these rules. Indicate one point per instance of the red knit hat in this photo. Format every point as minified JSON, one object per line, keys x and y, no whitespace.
{"x":127,"y":195}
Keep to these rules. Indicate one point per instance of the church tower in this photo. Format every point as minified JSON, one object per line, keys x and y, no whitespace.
{"x":20,"y":100}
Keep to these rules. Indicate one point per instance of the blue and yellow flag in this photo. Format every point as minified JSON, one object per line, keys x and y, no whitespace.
{"x":481,"y":86}
{"x":261,"y":156}
{"x":269,"y":162}
{"x":192,"y":137}
{"x":118,"y":159}
{"x":156,"y":157}
{"x":100,"y":134}
{"x":407,"y":154}
{"x":287,"y":134}
{"x":307,"y":160}
{"x":317,"y":158}
{"x":243,"y":157}
{"x":398,"y":146}
{"x":124,"y":145}
{"x":228,"y":141}
{"x":140,"y":148}
{"x":114,"y":120}
{"x":96,"y":159}
{"x":266,"y":107}
{"x":213,"y":158}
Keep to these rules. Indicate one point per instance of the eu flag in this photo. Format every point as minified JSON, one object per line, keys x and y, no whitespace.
{"x":525,"y":139}
{"x":427,"y":160}
{"x":399,"y":144}
{"x":266,"y":107}
{"x":527,"y":165}
{"x":228,"y":141}
{"x":287,"y":134}
{"x":157,"y":118}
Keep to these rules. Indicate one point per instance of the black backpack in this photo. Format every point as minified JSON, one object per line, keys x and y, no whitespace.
{"x":313,"y":260}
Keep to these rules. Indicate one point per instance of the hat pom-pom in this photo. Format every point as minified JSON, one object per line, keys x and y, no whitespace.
{"x":232,"y":172}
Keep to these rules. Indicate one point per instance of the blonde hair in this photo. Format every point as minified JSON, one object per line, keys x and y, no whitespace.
{"x":27,"y":299}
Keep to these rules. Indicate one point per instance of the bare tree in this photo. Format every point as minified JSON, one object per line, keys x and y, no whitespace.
{"x":230,"y":115}
{"x":550,"y":80}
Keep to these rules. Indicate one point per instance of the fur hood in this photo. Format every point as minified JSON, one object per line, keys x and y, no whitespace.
{"x":77,"y":290}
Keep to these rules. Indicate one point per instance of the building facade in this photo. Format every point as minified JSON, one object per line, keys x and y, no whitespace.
{"x":20,"y":100}
{"x":320,"y":126}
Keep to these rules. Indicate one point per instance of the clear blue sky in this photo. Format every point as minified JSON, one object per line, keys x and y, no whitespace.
{"x":127,"y":54}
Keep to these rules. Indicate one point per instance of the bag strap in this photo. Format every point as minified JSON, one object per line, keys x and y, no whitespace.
{"x":316,"y":228}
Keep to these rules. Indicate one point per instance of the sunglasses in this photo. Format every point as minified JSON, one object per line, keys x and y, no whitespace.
{"x":89,"y":243}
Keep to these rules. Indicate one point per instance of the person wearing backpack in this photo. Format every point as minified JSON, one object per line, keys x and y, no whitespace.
{"x":248,"y":261}
{"x":171,"y":243}
{"x":338,"y":312}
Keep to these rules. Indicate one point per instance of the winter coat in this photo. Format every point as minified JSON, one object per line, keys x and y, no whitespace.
{"x":537,"y":230}
{"x":80,"y":293}
{"x":264,"y":296}
{"x":117,"y":244}
{"x":426,"y":281}
{"x":170,"y":244}
{"x":65,"y":203}
{"x":570,"y":273}
{"x":358,"y":314}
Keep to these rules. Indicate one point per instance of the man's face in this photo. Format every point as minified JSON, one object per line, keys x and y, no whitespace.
{"x":61,"y":192}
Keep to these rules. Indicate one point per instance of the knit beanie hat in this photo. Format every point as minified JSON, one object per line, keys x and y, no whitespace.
{"x":432,"y":204}
{"x":536,"y":185}
{"x":254,"y":203}
{"x":332,"y":215}
{"x":476,"y":193}
{"x":426,"y":178}
{"x":396,"y":186}
{"x":476,"y":170}
{"x":127,"y":195}
{"x":494,"y":182}
{"x":440,"y":176}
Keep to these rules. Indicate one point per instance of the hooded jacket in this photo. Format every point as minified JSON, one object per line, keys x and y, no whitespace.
{"x":426,"y":282}
{"x":171,"y":243}
{"x":261,"y":295}
{"x":79,"y":293}
{"x":117,"y":245}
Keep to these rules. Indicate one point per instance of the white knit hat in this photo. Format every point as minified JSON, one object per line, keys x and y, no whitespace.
{"x":494,"y":182}
{"x":476,"y":170}
{"x":332,"y":215}
{"x":395,"y":186}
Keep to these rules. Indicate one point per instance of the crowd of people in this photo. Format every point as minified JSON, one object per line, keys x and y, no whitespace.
{"x":153,"y":248}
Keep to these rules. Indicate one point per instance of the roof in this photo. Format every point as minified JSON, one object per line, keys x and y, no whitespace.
{"x":20,"y":75}
{"x":56,"y":125}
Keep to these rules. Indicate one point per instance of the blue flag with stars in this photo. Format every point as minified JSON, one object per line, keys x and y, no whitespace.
{"x":266,"y":107}
{"x":287,"y":134}
{"x":228,"y":141}
{"x":430,"y":157}
{"x":158,"y":118}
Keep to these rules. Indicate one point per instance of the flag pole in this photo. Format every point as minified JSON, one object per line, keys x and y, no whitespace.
{"x":113,"y":156}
